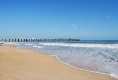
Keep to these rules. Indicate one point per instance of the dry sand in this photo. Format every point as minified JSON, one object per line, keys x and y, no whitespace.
{"x":20,"y":64}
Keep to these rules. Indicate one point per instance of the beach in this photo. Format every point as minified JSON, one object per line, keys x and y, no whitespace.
{"x":21,"y":64}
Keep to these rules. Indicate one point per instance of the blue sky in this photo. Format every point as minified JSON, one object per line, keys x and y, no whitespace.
{"x":84,"y":19}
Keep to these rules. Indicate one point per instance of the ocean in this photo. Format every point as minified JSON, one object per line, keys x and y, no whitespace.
{"x":100,"y":56}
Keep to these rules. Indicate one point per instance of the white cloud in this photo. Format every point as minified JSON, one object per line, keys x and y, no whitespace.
{"x":108,"y":17}
{"x":74,"y":26}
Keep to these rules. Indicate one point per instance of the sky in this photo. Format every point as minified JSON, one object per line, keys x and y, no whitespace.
{"x":84,"y":19}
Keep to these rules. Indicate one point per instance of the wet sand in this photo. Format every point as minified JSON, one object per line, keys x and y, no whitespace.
{"x":21,"y":64}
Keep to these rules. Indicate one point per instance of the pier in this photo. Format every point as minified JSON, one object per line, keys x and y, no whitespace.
{"x":36,"y":40}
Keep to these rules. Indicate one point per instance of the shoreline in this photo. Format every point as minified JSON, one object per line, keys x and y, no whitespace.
{"x":56,"y":57}
{"x":78,"y":73}
{"x":81,"y":68}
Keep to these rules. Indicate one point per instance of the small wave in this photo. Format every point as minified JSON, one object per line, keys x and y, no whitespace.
{"x":9,"y":43}
{"x":38,"y":46}
{"x":12,"y":43}
{"x":29,"y":44}
{"x":82,"y":45}
{"x":114,"y":75}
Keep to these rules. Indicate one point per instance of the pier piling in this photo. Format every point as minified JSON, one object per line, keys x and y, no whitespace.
{"x":37,"y":40}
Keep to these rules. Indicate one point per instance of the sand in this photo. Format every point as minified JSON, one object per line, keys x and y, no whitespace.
{"x":21,"y":64}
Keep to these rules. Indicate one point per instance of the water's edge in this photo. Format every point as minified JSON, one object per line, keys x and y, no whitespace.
{"x":57,"y":58}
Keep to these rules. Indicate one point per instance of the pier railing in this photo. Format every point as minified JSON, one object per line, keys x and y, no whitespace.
{"x":35,"y":40}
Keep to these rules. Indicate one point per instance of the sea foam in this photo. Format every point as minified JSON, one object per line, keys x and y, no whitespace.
{"x":82,"y":45}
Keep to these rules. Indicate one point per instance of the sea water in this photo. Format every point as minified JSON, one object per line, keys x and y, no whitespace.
{"x":93,"y":55}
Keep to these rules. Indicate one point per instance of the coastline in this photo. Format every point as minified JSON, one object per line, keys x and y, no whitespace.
{"x":24,"y":64}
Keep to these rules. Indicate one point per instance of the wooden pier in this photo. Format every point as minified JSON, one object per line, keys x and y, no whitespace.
{"x":35,"y":40}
